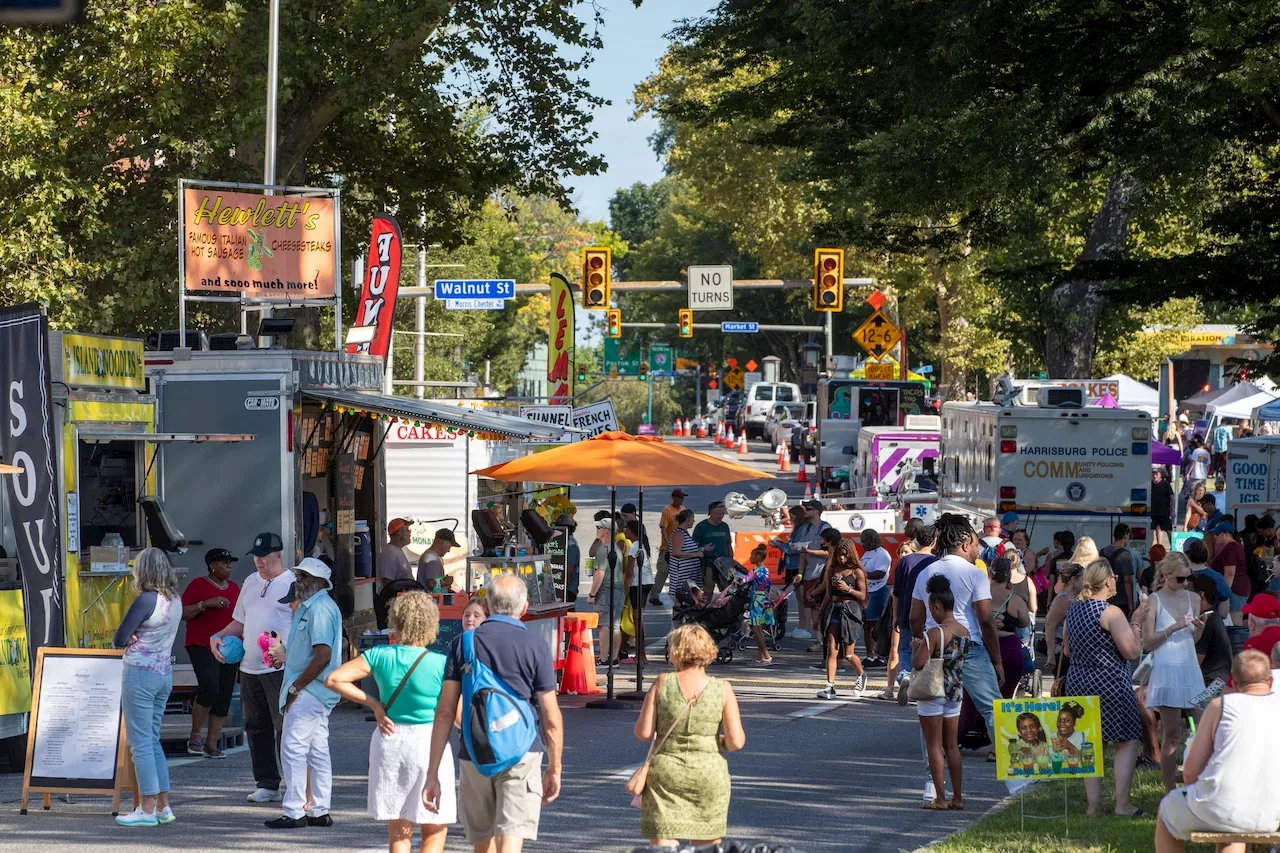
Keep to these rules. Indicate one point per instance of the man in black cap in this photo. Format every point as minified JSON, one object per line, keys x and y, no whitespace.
{"x":259,"y":611}
{"x":431,"y":563}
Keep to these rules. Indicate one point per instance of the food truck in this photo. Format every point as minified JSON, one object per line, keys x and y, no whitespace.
{"x":87,"y":450}
{"x":845,"y":406}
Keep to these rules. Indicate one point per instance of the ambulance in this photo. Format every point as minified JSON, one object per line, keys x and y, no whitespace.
{"x":894,"y":460}
{"x":1059,"y":464}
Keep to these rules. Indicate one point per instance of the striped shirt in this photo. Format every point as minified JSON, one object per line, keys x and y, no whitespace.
{"x":683,"y":569}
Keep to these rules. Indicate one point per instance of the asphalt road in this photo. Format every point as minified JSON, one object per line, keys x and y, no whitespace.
{"x":824,"y":776}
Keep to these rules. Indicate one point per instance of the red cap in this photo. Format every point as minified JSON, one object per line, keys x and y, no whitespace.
{"x":396,"y":525}
{"x":679,"y":493}
{"x":1264,"y":606}
{"x":1265,"y":641}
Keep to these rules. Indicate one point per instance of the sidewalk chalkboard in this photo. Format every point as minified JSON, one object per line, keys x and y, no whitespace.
{"x":556,"y":551}
{"x":75,"y":737}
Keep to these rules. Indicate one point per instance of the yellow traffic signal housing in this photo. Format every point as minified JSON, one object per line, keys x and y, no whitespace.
{"x":644,"y":368}
{"x":597,"y":266}
{"x":613,"y":323}
{"x":686,"y":322}
{"x":828,"y":280}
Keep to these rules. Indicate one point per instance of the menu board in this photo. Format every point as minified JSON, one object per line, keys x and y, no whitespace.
{"x":75,"y":737}
{"x":450,"y":629}
{"x":555,"y":550}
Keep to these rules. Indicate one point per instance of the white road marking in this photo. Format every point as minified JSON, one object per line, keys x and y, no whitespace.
{"x":815,"y":710}
{"x":624,"y":774}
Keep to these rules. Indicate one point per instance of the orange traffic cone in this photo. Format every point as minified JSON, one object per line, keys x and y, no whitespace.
{"x":808,"y":492}
{"x":579,"y":664}
{"x":742,"y":443}
{"x":802,"y":477}
{"x":702,"y":429}
{"x":675,"y":429}
{"x":784,"y":460}
{"x":728,"y":439}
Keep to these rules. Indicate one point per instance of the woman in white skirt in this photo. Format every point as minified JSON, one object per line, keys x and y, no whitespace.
{"x":1170,"y":626}
{"x":409,"y":678}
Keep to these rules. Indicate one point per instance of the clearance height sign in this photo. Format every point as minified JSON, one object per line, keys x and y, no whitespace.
{"x":266,"y":247}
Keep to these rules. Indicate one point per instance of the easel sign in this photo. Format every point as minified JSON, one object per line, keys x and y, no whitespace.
{"x":75,"y":737}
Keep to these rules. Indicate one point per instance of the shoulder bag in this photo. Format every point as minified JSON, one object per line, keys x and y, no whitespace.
{"x":926,"y":682}
{"x":386,"y":709}
{"x":1059,"y":678}
{"x":635,"y":785}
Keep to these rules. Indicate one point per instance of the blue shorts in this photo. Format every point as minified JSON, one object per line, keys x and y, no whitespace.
{"x":904,"y":646}
{"x":876,"y":602}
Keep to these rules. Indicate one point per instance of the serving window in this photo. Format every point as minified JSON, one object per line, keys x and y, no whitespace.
{"x":107,"y":486}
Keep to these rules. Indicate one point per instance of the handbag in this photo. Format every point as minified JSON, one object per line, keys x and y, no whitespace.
{"x":386,"y":709}
{"x":1059,"y":679}
{"x":926,"y":682}
{"x":635,"y":785}
{"x":627,"y":624}
{"x":1142,"y":673}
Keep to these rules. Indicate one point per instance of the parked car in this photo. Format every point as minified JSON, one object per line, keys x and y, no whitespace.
{"x":759,"y":399}
{"x":780,"y":421}
{"x":803,"y":441}
{"x":729,"y":405}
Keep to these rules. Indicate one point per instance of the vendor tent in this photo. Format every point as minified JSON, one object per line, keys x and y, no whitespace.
{"x":1136,"y":395}
{"x":1268,"y":412}
{"x":1220,"y":396}
{"x":1241,"y":409}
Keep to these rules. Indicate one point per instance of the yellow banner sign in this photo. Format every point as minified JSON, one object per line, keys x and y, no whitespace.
{"x":15,"y":664}
{"x":94,"y":361}
{"x":878,"y":371}
{"x":1048,"y":738}
{"x":267,"y":247}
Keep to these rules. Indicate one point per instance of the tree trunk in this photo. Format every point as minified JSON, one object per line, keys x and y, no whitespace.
{"x":1076,"y":306}
{"x":951,"y":377}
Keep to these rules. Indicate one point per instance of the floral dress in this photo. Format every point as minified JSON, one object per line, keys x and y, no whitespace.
{"x":761,"y":612}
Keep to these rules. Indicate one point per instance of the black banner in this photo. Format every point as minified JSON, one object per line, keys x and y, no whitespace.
{"x":26,"y":440}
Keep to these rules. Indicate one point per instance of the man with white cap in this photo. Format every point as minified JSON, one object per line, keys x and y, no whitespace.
{"x":313,"y":650}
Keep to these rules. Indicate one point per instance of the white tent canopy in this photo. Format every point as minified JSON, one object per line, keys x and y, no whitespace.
{"x":1135,"y":394}
{"x":1242,"y":409}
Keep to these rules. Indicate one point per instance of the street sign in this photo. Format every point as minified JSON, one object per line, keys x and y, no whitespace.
{"x":475,"y":304}
{"x":503,"y":288}
{"x":733,"y":378}
{"x":879,"y":371}
{"x":625,"y":361}
{"x":660,"y":358}
{"x":924,"y":368}
{"x":877,"y":335}
{"x":28,"y":13}
{"x":740,"y":327}
{"x":751,"y":365}
{"x":711,"y":288}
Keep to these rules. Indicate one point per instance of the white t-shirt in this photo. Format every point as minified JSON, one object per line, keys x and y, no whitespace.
{"x":877,"y":561}
{"x":1199,"y":469}
{"x":969,"y":584}
{"x":393,"y":565}
{"x":645,"y":575}
{"x":259,"y":609}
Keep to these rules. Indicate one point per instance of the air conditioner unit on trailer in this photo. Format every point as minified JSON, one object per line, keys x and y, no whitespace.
{"x":1049,"y":397}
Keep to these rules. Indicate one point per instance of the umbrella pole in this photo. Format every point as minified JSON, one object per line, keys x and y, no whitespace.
{"x":610,"y":703}
{"x":637,"y":615}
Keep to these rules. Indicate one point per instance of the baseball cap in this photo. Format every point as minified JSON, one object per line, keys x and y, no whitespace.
{"x":1223,"y":526}
{"x":1265,"y":641}
{"x":292,"y":595}
{"x":566,"y":520}
{"x":1008,"y":517}
{"x":1264,"y":606}
{"x":395,"y":525}
{"x":266,"y":543}
{"x":628,"y":509}
{"x":812,"y":504}
{"x":679,"y":493}
{"x":603,"y":524}
{"x":219,"y":555}
{"x":447,"y":535}
{"x":315,"y":568}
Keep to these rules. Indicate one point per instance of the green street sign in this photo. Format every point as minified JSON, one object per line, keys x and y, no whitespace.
{"x":626,"y":360}
{"x":661,"y":359}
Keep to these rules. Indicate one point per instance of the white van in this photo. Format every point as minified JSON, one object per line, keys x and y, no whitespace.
{"x":759,"y":400}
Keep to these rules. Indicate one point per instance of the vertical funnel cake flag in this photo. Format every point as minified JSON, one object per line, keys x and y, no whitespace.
{"x":381,"y":283}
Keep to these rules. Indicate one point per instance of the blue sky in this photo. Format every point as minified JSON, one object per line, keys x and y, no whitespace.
{"x":634,"y":41}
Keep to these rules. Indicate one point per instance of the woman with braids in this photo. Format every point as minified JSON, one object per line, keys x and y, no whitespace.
{"x":842,"y":594}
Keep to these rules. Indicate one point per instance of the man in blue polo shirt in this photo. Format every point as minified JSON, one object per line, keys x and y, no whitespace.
{"x":313,"y":650}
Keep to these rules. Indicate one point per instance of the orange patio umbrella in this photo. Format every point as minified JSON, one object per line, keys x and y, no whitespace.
{"x":622,"y":459}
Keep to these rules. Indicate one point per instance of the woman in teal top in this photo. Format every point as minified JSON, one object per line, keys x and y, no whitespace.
{"x":409,"y":678}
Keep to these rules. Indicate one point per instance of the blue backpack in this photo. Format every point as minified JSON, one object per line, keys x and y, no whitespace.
{"x":498,"y":727}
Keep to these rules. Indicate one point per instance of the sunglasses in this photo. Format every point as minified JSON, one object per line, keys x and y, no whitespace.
{"x":1181,"y":578}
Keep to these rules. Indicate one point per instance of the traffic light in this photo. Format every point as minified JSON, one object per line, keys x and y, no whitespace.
{"x":613,"y":323}
{"x":597,"y":265}
{"x":828,"y":280}
{"x":582,"y":374}
{"x":644,"y":369}
{"x":686,"y":322}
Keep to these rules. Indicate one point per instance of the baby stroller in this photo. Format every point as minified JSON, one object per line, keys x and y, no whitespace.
{"x":722,"y":616}
{"x":772,"y":633}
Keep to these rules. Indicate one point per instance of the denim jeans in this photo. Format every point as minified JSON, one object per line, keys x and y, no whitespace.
{"x":143,"y":699}
{"x":982,"y":685}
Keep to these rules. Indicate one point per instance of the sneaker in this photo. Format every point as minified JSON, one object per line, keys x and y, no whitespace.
{"x":285,"y":822}
{"x":322,"y":820}
{"x":195,"y":747}
{"x":655,"y":601}
{"x":802,"y":634}
{"x":828,"y":692}
{"x":859,"y":686}
{"x":166,"y":815}
{"x":765,"y":662}
{"x":930,"y":792}
{"x":875,"y":663}
{"x":815,"y":647}
{"x":213,"y":752}
{"x":902,"y":694}
{"x":137,"y":817}
{"x":265,"y":795}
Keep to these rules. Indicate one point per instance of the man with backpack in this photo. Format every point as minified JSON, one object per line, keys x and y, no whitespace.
{"x":506,"y":681}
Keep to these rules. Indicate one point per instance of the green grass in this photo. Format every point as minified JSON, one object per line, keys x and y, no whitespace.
{"x":1001,"y":831}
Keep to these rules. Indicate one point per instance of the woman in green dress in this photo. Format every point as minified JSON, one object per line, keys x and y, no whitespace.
{"x":686,"y":796}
